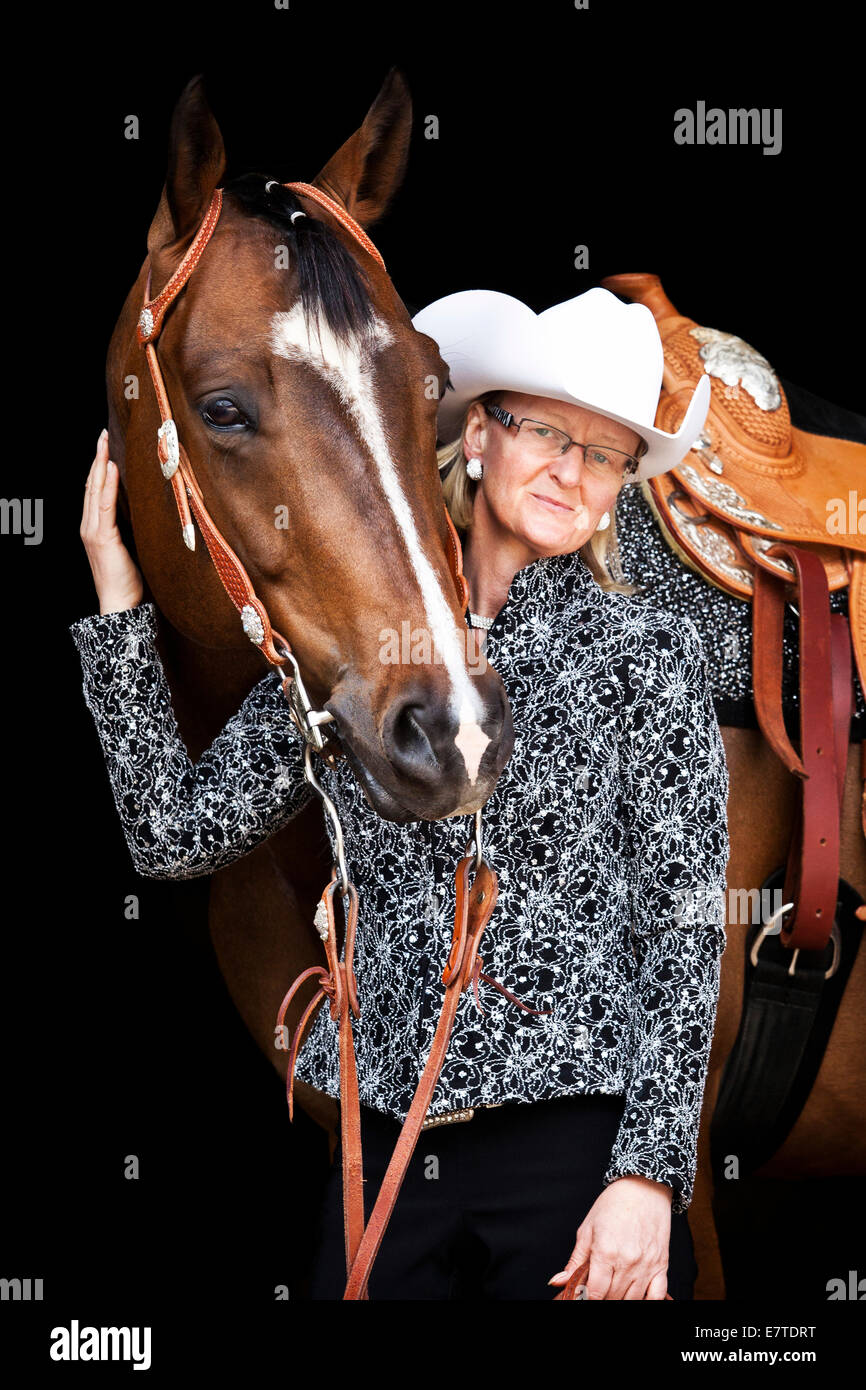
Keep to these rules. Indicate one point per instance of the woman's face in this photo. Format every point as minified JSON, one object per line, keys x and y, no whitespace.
{"x":553,"y":505}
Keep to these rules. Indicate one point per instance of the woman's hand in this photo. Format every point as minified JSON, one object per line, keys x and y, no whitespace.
{"x":624,"y":1240}
{"x":115,"y":573}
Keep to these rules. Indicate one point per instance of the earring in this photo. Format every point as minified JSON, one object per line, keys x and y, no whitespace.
{"x":603,"y":522}
{"x":474,"y":469}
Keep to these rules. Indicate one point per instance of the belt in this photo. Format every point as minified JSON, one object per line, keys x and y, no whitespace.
{"x":456,"y":1117}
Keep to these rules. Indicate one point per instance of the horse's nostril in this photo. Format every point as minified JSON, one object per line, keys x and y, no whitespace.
{"x":424,"y":739}
{"x":409,"y":745}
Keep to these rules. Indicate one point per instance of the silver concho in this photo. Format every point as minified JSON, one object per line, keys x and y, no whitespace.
{"x":738,"y":364}
{"x":168,"y":432}
{"x":145,"y":323}
{"x":717,"y":550}
{"x":252,"y":624}
{"x":320,"y":921}
{"x":727,"y":499}
{"x":703,"y":447}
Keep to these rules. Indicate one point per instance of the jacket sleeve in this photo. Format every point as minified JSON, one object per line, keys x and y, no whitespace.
{"x":675,"y":779}
{"x":182,"y":820}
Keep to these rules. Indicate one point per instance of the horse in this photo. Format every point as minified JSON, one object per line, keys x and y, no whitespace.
{"x":305,"y":402}
{"x":332,"y":582}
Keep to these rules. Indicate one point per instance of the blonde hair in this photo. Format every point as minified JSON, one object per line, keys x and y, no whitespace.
{"x":458,"y":489}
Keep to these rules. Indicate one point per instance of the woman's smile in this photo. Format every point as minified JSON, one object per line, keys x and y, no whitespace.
{"x":549,"y":502}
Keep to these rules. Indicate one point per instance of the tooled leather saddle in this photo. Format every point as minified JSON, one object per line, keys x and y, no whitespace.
{"x":772,"y":514}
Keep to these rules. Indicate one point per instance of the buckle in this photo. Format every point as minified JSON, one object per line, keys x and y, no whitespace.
{"x":770,"y":929}
{"x":451,"y":1117}
{"x":456,"y":1117}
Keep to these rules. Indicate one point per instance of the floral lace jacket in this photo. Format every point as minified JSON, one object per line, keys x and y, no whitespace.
{"x":607,"y":829}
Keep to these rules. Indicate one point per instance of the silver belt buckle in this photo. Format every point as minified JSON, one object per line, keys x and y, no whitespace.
{"x":456,"y":1117}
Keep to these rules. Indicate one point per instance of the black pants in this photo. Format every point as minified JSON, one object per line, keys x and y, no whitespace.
{"x":489,"y":1207}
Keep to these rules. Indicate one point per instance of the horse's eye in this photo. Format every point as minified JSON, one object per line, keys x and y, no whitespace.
{"x":223,"y":414}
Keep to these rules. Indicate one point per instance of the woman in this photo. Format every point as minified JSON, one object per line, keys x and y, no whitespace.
{"x":607,"y":829}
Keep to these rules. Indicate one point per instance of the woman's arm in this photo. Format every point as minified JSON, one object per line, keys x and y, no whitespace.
{"x":675,"y":780}
{"x":182,"y":820}
{"x":179,"y":820}
{"x":676,"y":783}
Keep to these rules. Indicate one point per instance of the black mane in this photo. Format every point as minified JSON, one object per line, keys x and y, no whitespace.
{"x":330,"y":280}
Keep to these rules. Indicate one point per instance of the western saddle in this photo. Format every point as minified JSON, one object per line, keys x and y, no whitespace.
{"x":772,"y":514}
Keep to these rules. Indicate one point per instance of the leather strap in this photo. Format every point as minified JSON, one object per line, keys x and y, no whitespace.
{"x":473,"y":909}
{"x":338,"y":984}
{"x":825,"y":716}
{"x":153,"y":311}
{"x":344,"y":1005}
{"x":309,"y":190}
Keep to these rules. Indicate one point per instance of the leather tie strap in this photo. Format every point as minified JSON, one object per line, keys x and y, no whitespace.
{"x":825,"y":714}
{"x":337,"y":984}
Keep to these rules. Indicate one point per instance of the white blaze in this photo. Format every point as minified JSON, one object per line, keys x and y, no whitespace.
{"x":346,"y":366}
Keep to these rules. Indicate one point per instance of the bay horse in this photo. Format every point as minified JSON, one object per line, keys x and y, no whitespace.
{"x":352,"y":562}
{"x":300,"y":389}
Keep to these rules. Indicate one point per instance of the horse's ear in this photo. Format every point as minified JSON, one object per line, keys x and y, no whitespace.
{"x":196,"y":163}
{"x":367,"y":170}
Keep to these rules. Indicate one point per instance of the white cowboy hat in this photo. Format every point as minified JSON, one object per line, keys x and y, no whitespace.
{"x":593,"y":351}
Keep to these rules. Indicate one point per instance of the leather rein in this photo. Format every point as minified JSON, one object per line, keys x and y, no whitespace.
{"x":474,"y":903}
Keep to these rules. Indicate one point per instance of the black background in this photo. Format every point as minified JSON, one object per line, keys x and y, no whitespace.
{"x":556,"y":129}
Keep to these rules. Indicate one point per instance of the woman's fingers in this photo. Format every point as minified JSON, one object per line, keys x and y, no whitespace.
{"x":93,"y":485}
{"x":627,"y":1274}
{"x":107,"y":501}
{"x":597,"y":1280}
{"x":115,"y":574}
{"x":578,"y":1261}
{"x":575,"y":1282}
{"x":599,"y":1277}
{"x":99,"y":516}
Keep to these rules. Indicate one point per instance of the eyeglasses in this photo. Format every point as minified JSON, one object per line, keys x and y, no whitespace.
{"x":545,"y":442}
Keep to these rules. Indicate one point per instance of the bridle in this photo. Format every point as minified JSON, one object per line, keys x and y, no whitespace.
{"x":473,"y":905}
{"x":176,"y":466}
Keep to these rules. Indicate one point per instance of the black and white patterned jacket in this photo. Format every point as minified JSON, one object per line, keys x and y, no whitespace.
{"x":607,"y":829}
